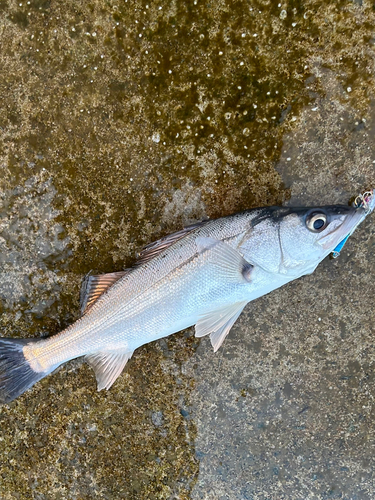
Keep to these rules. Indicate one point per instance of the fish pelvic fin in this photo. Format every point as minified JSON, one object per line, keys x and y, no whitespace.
{"x":217,"y":337}
{"x":16,"y":373}
{"x":108,"y":366}
{"x":218,"y":323}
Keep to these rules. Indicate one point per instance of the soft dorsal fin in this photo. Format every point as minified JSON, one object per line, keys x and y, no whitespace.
{"x":94,"y":286}
{"x":218,"y":323}
{"x":108,"y":366}
{"x":153,"y":249}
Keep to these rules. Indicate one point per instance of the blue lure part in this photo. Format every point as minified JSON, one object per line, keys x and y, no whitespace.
{"x":336,"y":251}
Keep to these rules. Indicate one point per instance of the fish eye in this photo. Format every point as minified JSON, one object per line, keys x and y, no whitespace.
{"x":316,"y":222}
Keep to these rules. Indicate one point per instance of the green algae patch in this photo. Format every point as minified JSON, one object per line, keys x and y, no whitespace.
{"x":123,"y":121}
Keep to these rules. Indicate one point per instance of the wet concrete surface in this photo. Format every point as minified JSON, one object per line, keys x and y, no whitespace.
{"x":121,"y":122}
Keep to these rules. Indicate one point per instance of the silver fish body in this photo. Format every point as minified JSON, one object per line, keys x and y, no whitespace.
{"x":203,"y":276}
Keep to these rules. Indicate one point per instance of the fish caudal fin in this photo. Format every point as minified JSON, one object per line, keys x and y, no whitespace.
{"x":16,"y":374}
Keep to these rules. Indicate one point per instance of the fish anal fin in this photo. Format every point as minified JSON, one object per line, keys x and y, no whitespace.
{"x":218,"y":323}
{"x":108,"y":366}
{"x":94,"y":286}
{"x":154,"y":249}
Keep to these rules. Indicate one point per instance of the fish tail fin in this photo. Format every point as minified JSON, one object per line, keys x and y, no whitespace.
{"x":16,"y":374}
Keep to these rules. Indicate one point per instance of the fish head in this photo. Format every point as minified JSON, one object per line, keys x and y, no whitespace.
{"x":293,"y":241}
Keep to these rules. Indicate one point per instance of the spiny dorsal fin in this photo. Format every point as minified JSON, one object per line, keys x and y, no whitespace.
{"x":94,"y":286}
{"x":153,"y":249}
{"x":108,"y":366}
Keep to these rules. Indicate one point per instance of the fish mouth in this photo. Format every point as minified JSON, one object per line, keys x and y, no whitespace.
{"x":363,"y":205}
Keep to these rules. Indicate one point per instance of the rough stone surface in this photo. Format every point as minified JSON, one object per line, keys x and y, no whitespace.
{"x":120,"y":122}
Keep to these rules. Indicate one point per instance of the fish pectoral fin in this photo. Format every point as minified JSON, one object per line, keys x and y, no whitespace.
{"x":108,"y":366}
{"x":94,"y":286}
{"x":218,"y":323}
{"x":228,"y":262}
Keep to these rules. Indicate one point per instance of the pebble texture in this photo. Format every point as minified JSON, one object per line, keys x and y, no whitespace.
{"x":122,"y":121}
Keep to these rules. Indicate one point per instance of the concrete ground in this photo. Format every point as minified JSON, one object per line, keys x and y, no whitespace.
{"x":122,"y":121}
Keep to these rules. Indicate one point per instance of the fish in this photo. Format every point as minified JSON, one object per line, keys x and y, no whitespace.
{"x":203,"y":275}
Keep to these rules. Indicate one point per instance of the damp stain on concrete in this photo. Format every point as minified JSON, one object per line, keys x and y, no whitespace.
{"x":121,"y":122}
